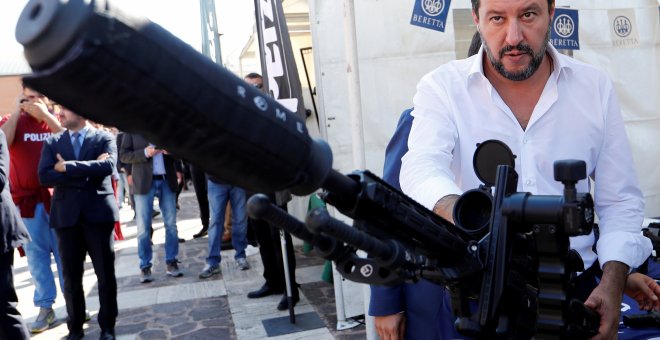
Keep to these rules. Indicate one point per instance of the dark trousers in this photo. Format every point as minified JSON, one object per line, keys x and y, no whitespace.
{"x":199,"y":183}
{"x":12,"y":325}
{"x":270,"y":250}
{"x":74,"y":243}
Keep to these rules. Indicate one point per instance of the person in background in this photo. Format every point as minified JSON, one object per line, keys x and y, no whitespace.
{"x":154,"y":174}
{"x":79,"y":163}
{"x":219,"y":194}
{"x":26,"y":129}
{"x":270,"y":248}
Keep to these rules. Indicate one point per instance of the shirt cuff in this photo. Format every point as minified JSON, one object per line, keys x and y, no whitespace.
{"x":433,"y":189}
{"x":629,"y":248}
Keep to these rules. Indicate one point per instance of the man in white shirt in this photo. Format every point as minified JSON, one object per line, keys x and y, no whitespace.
{"x":545,"y":107}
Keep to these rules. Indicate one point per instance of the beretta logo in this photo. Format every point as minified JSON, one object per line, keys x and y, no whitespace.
{"x":564,"y":26}
{"x":622,"y":26}
{"x":433,"y":7}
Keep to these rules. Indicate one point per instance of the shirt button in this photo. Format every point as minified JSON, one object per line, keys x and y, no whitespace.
{"x":525,"y":141}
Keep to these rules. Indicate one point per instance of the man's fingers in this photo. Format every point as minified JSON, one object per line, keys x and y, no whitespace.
{"x":384,"y":333}
{"x":648,"y":293}
{"x":591,"y":303}
{"x":656,"y":301}
{"x":388,"y":327}
{"x":59,"y":157}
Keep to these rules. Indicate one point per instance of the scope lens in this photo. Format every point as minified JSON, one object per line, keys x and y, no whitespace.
{"x":472,"y":212}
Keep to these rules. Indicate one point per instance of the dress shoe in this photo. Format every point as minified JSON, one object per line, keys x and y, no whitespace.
{"x":75,"y":335}
{"x":264,"y":291}
{"x":202,"y":232}
{"x":107,"y":335}
{"x":284,"y":303}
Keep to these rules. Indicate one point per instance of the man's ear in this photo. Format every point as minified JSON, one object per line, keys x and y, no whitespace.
{"x":475,"y":19}
{"x":552,"y":11}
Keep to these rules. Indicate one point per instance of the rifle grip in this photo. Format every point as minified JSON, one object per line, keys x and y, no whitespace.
{"x":583,"y":322}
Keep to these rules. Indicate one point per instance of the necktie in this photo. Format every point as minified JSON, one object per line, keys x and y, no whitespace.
{"x":76,"y":144}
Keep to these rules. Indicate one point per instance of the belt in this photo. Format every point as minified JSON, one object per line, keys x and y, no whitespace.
{"x":161,"y":177}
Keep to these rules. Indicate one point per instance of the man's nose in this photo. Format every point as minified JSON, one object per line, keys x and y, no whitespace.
{"x":514,"y":33}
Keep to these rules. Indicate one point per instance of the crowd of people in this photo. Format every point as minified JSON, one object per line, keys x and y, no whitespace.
{"x":66,"y":178}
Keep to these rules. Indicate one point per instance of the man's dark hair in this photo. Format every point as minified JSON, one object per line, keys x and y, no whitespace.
{"x":475,"y":44}
{"x":253,"y":75}
{"x":476,"y":3}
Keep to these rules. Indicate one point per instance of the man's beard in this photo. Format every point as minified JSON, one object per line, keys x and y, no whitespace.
{"x":522,"y":48}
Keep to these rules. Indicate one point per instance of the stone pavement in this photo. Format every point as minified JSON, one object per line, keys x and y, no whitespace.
{"x":189,"y":307}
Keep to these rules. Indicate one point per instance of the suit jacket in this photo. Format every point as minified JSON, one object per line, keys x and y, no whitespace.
{"x":85,"y":189}
{"x":142,"y":168}
{"x":12,"y":229}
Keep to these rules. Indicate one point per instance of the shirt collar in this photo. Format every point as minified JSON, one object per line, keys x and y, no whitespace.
{"x":82,"y":132}
{"x":477,"y":66}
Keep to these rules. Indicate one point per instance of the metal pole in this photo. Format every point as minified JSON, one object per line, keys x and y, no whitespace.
{"x":205,"y":32}
{"x":213,"y":23}
{"x":357,"y":131}
{"x":353,"y":76}
{"x":287,"y":277}
{"x":209,"y":23}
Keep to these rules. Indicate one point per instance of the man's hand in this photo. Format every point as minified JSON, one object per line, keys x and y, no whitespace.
{"x":606,"y":299}
{"x":445,"y":207}
{"x":60,"y":166}
{"x":37,"y":109}
{"x":391,"y":327}
{"x":103,"y":156}
{"x":644,"y":290}
{"x":151,"y":151}
{"x":179,"y":177}
{"x":129,"y":180}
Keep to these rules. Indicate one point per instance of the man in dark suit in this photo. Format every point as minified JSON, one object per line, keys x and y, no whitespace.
{"x":13,"y":234}
{"x":78,"y":163}
{"x":155,"y":173}
{"x":269,"y":240}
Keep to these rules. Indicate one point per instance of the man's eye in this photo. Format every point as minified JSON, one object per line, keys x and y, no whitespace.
{"x":529,"y":15}
{"x":496,"y":19}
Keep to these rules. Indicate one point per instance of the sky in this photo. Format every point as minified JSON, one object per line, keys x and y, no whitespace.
{"x":180,"y":17}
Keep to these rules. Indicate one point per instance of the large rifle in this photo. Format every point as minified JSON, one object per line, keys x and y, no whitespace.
{"x":130,"y":73}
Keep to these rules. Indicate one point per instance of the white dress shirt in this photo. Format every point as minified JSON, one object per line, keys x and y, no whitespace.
{"x":576,"y":117}
{"x":81,"y":135}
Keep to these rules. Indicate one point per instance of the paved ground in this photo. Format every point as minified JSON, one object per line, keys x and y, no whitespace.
{"x":189,"y":307}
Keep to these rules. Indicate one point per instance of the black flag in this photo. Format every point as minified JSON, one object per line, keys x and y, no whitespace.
{"x":278,"y":65}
